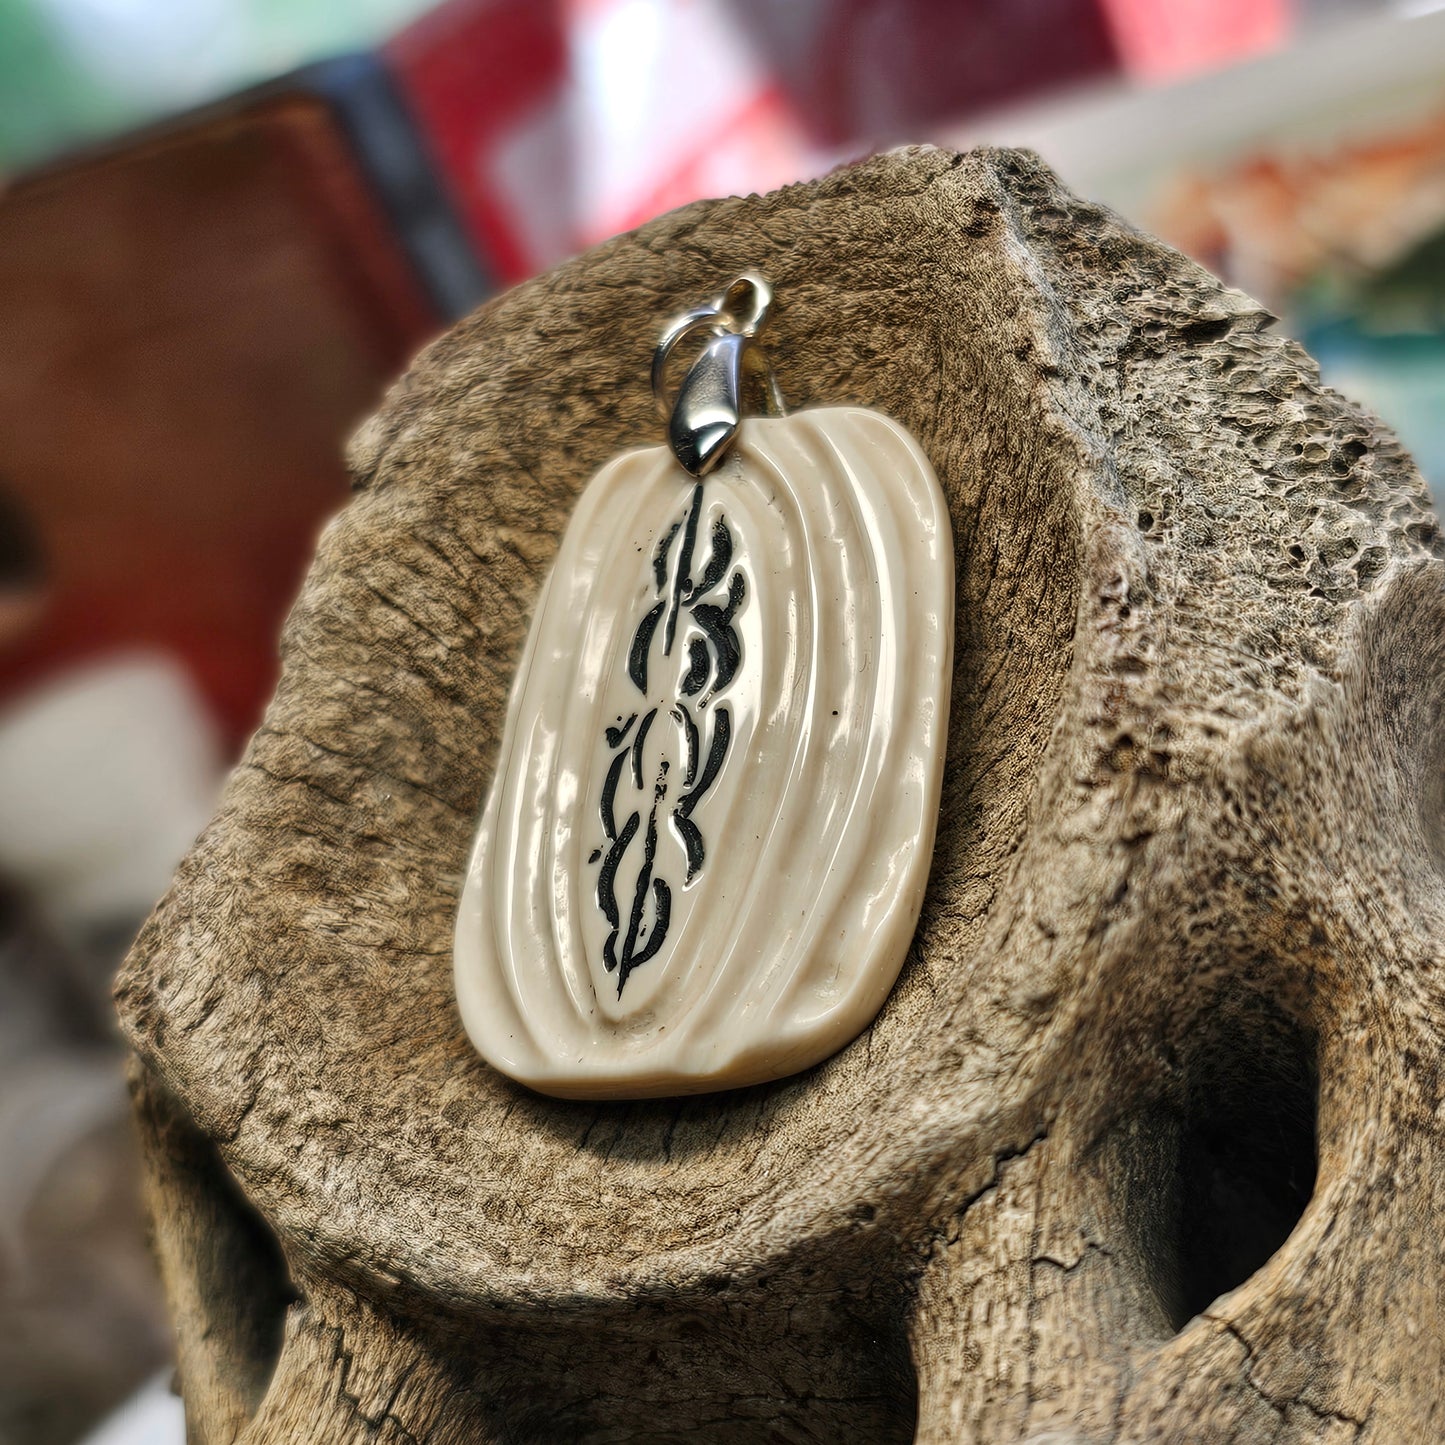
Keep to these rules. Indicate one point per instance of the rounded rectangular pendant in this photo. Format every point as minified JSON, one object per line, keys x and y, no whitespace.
{"x":707,"y":840}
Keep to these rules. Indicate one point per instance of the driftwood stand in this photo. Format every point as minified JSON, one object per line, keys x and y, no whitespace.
{"x":1147,"y":1143}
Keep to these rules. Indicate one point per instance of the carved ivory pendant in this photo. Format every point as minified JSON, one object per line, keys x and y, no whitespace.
{"x":706,"y":844}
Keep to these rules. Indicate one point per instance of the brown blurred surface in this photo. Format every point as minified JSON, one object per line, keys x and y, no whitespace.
{"x":188,"y":329}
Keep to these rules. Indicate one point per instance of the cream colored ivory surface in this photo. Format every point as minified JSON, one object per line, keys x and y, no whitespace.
{"x":728,"y":722}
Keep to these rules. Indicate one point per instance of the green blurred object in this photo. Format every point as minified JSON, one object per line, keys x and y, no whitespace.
{"x":1382,"y":342}
{"x":45,"y":99}
{"x":75,"y":71}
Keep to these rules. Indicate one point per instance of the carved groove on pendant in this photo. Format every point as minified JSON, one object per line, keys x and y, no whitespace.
{"x":713,"y":652}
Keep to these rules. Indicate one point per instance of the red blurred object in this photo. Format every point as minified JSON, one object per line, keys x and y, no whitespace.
{"x":1162,"y":42}
{"x":484,"y":77}
{"x":558,"y":124}
{"x":884,"y":70}
{"x":190,"y":325}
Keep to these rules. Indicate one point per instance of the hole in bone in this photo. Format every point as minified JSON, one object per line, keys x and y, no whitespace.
{"x":262,"y":1291}
{"x":1224,"y":1167}
{"x":241,"y":1284}
{"x":1247,"y":1154}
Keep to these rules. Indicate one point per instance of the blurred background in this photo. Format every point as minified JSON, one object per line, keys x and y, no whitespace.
{"x":225,"y":224}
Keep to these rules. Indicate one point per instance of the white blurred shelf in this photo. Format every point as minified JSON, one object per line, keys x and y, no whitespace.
{"x":152,"y":1416}
{"x":1118,"y":142}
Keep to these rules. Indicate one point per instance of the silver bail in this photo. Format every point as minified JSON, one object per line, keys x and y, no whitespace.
{"x":709,"y":406}
{"x":703,"y":420}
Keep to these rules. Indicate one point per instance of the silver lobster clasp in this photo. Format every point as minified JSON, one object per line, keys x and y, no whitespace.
{"x":704,"y":417}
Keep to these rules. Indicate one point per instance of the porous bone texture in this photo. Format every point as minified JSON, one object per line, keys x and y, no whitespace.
{"x":1145,"y":1143}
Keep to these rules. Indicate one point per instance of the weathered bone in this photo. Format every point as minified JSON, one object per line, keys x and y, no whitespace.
{"x":1186,"y":901}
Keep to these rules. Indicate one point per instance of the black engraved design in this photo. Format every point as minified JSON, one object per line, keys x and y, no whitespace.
{"x":691,"y":623}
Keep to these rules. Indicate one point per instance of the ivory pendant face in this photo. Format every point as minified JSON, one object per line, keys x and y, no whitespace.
{"x":707,"y":839}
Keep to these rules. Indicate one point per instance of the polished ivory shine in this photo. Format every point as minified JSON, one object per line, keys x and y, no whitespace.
{"x":707,"y":840}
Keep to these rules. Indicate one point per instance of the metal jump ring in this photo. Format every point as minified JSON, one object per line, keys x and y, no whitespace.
{"x":748,"y":287}
{"x":722,"y":316}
